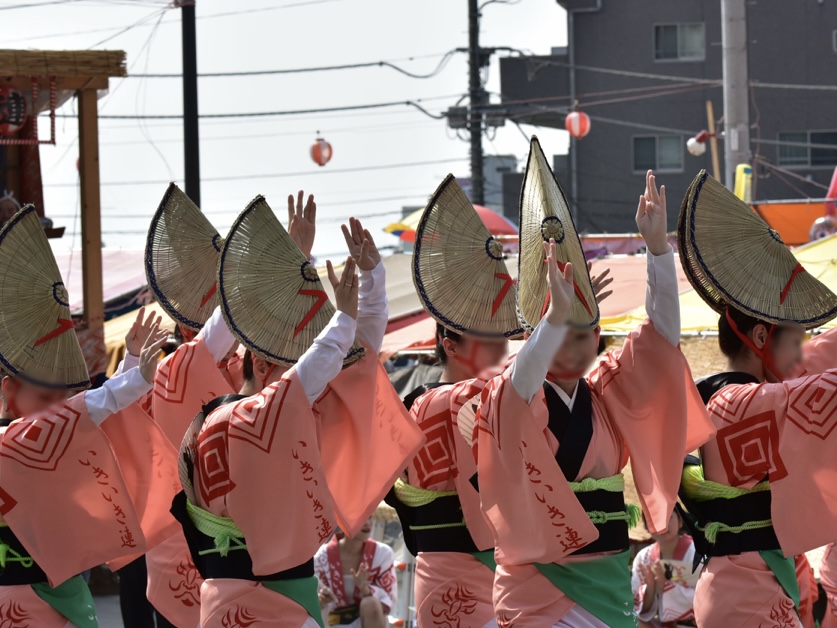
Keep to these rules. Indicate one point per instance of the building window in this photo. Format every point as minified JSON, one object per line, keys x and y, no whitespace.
{"x":679,"y":42}
{"x":798,"y":152}
{"x":834,"y":40}
{"x":663,"y":153}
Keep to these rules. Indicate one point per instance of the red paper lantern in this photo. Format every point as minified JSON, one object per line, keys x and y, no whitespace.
{"x":578,"y":124}
{"x":12,"y":111}
{"x":321,"y":152}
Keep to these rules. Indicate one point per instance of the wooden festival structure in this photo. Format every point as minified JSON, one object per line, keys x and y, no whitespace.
{"x":61,"y":75}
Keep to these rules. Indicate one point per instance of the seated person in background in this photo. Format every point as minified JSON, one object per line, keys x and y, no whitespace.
{"x":662,"y":579}
{"x":357,"y":580}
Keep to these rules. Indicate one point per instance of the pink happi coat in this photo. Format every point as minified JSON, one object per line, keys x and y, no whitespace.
{"x":287,"y":473}
{"x":379,"y":563}
{"x":645,"y":406}
{"x":186,"y":380}
{"x":828,"y":580}
{"x":785,"y":430}
{"x":676,"y":601}
{"x":451,"y":587}
{"x":77,"y":496}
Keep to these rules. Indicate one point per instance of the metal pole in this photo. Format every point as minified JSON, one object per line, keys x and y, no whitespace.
{"x":736,"y":103}
{"x":476,"y":96}
{"x":191,"y":146}
{"x":573,"y":141}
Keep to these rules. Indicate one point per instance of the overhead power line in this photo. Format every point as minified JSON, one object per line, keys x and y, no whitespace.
{"x":266,"y":114}
{"x":446,"y":57}
{"x":275,"y":175}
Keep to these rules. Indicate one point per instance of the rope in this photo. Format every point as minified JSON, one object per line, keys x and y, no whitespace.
{"x":700,"y":489}
{"x":414,"y":496}
{"x":227,"y":535}
{"x":712,"y":529}
{"x":612,"y":484}
{"x":440,"y":526}
{"x":5,"y":550}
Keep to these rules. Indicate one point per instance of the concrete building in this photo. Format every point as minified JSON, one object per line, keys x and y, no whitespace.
{"x":641,"y":121}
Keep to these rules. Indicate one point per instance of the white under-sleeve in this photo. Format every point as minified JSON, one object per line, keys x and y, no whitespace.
{"x":115,"y":394}
{"x":662,"y":300}
{"x":372,"y":311}
{"x":127,"y":363}
{"x":217,"y":336}
{"x":324,"y":359}
{"x":532,"y":362}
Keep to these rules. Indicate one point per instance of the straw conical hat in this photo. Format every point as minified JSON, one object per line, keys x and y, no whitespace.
{"x":37,"y":339}
{"x":459,"y":269}
{"x":732,"y":257}
{"x":544,"y":214}
{"x":181,"y":259}
{"x":271,"y":295}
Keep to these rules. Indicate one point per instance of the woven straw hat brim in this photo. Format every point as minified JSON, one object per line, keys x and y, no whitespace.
{"x":37,"y":340}
{"x":459,"y":269}
{"x":181,"y":259}
{"x":544,"y":214}
{"x":733,"y":258}
{"x":271,"y":295}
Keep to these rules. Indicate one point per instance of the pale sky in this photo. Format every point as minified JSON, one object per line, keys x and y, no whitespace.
{"x":266,"y":35}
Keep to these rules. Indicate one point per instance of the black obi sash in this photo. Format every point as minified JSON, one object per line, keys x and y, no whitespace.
{"x":444,"y":511}
{"x":15,"y":573}
{"x":732,"y":512}
{"x":574,"y":431}
{"x":237,"y":563}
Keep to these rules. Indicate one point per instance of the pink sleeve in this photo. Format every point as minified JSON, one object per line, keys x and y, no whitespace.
{"x":366,"y":440}
{"x":521,"y":485}
{"x":148,"y":463}
{"x":649,"y":395}
{"x":63,"y":493}
{"x":820,"y":353}
{"x":185,"y":381}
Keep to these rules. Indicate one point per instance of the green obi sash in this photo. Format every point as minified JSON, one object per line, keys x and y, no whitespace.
{"x":486,"y":558}
{"x":601,"y":586}
{"x":785,"y":571}
{"x":72,"y":599}
{"x":303,"y":591}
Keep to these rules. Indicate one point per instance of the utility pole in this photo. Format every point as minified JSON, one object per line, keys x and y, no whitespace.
{"x":191,"y":146}
{"x":736,"y":87}
{"x":476,"y":95}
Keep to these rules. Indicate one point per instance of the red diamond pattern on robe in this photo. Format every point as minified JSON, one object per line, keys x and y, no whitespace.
{"x":750,"y":449}
{"x":213,"y":465}
{"x":173,"y":375}
{"x":40,"y":443}
{"x":254,"y":421}
{"x":435,"y":461}
{"x":813,"y":406}
{"x":731,"y":402}
{"x":7,"y":502}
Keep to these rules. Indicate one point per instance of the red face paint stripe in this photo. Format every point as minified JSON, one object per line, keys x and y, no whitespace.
{"x":64,"y":324}
{"x":209,"y":294}
{"x":508,"y":283}
{"x":321,"y":297}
